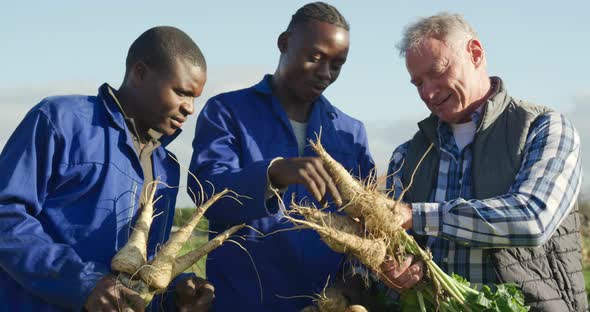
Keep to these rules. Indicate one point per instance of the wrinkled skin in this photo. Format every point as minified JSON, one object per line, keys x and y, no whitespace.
{"x":401,"y":276}
{"x":451,"y":79}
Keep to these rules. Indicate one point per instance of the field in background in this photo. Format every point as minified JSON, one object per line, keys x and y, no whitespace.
{"x":198,"y":238}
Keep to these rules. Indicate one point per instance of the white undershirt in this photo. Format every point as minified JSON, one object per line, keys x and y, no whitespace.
{"x":463,"y":133}
{"x":299,"y":129}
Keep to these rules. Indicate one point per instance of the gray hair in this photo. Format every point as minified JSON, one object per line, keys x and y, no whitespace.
{"x":450,"y":28}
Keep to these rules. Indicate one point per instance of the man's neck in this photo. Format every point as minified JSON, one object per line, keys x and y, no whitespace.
{"x":294,"y":108}
{"x":129,"y":110}
{"x":488,"y":90}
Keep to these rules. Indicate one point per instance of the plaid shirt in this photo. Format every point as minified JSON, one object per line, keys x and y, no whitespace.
{"x":461,"y":228}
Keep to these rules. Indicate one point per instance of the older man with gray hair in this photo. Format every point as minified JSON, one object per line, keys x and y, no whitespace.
{"x":494,"y":199}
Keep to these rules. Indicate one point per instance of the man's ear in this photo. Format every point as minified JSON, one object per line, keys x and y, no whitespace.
{"x":282,"y":41}
{"x":138,"y":73}
{"x":476,"y":52}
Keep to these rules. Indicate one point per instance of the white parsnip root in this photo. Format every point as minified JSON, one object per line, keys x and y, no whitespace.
{"x":133,"y":255}
{"x":151,"y":277}
{"x":360,"y":201}
{"x":341,"y":234}
{"x":182,"y":263}
{"x":368,"y":241}
{"x":159,"y":273}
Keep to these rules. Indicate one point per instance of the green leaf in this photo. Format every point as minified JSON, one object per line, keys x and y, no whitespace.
{"x":461,"y":279}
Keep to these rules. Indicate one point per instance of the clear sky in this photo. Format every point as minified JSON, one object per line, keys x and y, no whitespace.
{"x":539,"y":48}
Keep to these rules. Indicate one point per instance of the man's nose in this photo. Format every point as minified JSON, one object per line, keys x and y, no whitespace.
{"x":324,"y":71}
{"x":189,"y":106}
{"x":429,"y":91}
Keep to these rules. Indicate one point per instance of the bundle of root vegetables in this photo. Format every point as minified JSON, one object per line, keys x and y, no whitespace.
{"x":148,"y":278}
{"x":371,"y":231}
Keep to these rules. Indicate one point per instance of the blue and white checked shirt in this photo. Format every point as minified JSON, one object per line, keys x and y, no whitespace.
{"x":460,"y":228}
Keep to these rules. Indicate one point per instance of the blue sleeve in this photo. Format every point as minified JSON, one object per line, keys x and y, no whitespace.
{"x":50,"y":270}
{"x":217,"y":159}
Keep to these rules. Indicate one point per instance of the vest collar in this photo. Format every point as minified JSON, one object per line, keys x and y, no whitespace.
{"x":495,"y":105}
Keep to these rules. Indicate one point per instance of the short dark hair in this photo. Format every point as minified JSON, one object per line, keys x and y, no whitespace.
{"x":159,"y":46}
{"x":319,"y":11}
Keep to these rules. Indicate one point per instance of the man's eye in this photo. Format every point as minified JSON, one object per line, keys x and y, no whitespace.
{"x":181,"y":93}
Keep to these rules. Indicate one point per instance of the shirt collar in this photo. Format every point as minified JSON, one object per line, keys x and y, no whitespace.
{"x":113,"y":111}
{"x":475,"y":118}
{"x":495,"y":103}
{"x":152,"y":135}
{"x":264,"y":86}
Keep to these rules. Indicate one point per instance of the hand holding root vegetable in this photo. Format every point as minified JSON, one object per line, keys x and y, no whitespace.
{"x":110,"y":295}
{"x":401,"y":276}
{"x":308,"y":171}
{"x":148,"y":278}
{"x":384,"y":220}
{"x":194,"y":294}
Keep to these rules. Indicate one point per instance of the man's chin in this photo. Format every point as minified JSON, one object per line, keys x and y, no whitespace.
{"x":167,"y":131}
{"x":311,"y":95}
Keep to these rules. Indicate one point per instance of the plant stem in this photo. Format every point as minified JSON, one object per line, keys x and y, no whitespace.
{"x":421,"y":301}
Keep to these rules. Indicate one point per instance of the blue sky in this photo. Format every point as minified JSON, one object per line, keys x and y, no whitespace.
{"x":539,"y":48}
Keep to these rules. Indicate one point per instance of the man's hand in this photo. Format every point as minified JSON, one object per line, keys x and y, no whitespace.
{"x":401,"y":276}
{"x":111,"y":295}
{"x":308,"y":171}
{"x":194,"y":294}
{"x":405,"y":210}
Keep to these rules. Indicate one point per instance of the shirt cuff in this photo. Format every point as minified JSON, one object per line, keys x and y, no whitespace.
{"x":427,"y":218}
{"x":270,"y":189}
{"x":273,"y":206}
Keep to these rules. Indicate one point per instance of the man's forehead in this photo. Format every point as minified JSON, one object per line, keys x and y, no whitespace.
{"x":187,"y":74}
{"x":321,"y":37}
{"x":184,"y":66}
{"x":195,"y":74}
{"x":422,"y":58}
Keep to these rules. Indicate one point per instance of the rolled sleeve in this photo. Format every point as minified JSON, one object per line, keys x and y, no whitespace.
{"x":427,"y":218}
